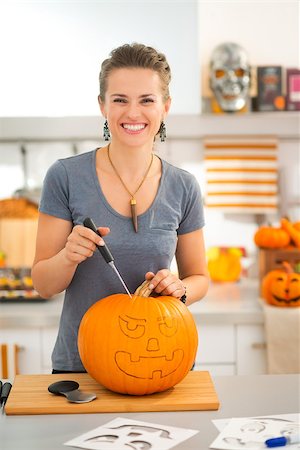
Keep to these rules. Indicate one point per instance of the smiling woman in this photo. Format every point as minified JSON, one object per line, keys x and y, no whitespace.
{"x":148,"y":210}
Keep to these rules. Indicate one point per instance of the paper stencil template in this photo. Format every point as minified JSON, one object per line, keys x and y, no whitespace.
{"x":250,"y":433}
{"x":127,"y":434}
{"x":293,"y":417}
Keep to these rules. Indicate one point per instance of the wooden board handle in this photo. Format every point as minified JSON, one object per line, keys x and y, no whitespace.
{"x":4,"y":361}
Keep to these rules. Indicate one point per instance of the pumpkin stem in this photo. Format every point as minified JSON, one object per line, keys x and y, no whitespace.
{"x":287,"y":267}
{"x":143,"y":290}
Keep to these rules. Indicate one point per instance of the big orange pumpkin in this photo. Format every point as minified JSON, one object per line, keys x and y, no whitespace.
{"x":282,"y":287}
{"x":138,"y":346}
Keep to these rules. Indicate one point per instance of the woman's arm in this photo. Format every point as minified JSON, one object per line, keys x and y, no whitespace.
{"x":192,"y":267}
{"x":192,"y":270}
{"x":59,"y":250}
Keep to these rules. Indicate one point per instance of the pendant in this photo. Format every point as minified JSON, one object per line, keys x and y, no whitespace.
{"x":133,"y":214}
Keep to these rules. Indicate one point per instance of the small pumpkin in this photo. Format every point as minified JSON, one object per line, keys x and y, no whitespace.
{"x":271,"y":237}
{"x":282,"y":287}
{"x":138,"y":345}
{"x":224,"y":265}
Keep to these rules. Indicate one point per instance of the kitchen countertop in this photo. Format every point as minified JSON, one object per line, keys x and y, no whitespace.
{"x":230,"y":303}
{"x":226,"y":303}
{"x":240,"y":396}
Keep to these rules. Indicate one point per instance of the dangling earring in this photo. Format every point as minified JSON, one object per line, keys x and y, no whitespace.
{"x":162,"y":132}
{"x":106,"y":133}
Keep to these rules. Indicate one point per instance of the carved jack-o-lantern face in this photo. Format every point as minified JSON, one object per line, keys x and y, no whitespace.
{"x":137,"y":346}
{"x":281,"y":288}
{"x":155,"y":351}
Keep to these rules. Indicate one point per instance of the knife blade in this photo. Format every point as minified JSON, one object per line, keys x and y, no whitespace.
{"x":105,"y":252}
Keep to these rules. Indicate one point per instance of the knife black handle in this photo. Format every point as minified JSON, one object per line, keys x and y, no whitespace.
{"x":103,"y":249}
{"x":6,"y":387}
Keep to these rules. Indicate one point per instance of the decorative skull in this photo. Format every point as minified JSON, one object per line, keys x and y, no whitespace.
{"x":230,"y":76}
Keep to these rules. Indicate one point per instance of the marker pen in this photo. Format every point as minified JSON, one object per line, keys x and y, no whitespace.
{"x":281,"y":441}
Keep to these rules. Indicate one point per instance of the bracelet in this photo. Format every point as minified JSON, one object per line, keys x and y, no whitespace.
{"x":183,"y":297}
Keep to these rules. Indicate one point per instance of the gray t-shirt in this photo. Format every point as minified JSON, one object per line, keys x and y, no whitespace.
{"x":72,"y":192}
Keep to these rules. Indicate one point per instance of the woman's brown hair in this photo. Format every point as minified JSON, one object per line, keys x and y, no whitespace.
{"x":135,"y":55}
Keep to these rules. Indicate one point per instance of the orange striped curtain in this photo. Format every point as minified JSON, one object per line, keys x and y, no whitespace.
{"x":241,"y":174}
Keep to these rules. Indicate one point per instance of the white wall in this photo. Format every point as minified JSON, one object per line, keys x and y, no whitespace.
{"x":267,"y":29}
{"x":51,"y":51}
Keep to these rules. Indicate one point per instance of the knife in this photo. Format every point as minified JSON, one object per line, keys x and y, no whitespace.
{"x":105,"y":252}
{"x":6,"y":387}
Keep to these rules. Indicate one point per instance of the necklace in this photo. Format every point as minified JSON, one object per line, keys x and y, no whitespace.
{"x":132,"y":194}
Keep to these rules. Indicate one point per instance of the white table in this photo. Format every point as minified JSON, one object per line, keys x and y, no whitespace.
{"x":240,"y":396}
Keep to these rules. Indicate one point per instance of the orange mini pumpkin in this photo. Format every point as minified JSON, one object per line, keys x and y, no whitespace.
{"x":138,"y":346}
{"x":271,"y":237}
{"x":282,"y":287}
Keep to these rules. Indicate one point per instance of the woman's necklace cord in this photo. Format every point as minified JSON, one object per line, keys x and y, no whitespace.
{"x":132,"y":194}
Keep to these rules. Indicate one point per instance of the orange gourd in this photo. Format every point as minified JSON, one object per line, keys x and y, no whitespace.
{"x":271,"y":237}
{"x":138,"y":346}
{"x":292,"y":230}
{"x":282,"y":287}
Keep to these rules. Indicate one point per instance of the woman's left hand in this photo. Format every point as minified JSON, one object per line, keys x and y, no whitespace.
{"x":165,"y":282}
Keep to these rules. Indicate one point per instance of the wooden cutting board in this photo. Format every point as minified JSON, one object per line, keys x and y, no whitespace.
{"x":29,"y":395}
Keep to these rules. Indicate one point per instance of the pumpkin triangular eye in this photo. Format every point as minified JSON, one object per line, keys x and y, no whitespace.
{"x":294,"y":279}
{"x":279,"y":279}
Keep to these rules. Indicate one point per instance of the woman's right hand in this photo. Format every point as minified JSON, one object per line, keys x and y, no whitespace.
{"x":81,"y":243}
{"x":60,"y":248}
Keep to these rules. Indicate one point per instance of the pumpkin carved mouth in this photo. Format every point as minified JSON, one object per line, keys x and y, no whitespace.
{"x":283,"y":300}
{"x":148,"y":367}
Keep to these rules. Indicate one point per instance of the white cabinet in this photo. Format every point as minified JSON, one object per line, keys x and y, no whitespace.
{"x":231,"y":349}
{"x":48,"y":338}
{"x":251,"y":350}
{"x":216,"y":349}
{"x":34,"y":347}
{"x":28,"y":358}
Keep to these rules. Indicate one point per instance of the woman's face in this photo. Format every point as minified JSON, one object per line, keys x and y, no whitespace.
{"x":134,"y":106}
